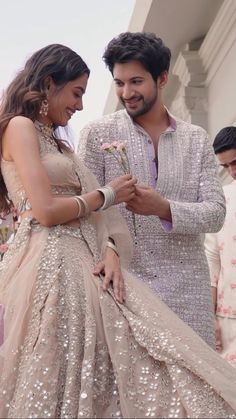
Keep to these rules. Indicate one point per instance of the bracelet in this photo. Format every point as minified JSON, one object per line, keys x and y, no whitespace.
{"x":77,"y":200}
{"x":110,"y":239}
{"x":112,"y":246}
{"x":85,"y":205}
{"x":109,"y":197}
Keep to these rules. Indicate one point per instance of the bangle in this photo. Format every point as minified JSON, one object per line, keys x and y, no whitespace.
{"x":112,"y":246}
{"x":85,"y":205}
{"x":79,"y":200}
{"x":78,"y":204}
{"x":110,"y":239}
{"x":109,"y":197}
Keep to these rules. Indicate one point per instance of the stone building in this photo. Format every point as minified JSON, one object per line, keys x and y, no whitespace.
{"x":202,"y":37}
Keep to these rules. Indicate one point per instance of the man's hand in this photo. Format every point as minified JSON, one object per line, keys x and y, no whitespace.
{"x":147,"y":201}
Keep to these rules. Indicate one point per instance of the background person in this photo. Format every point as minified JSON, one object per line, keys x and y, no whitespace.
{"x":221,"y":252}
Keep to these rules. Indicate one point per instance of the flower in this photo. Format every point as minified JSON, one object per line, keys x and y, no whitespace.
{"x":118,"y":150}
{"x":121,"y":147}
{"x":3,"y":249}
{"x":106,"y":147}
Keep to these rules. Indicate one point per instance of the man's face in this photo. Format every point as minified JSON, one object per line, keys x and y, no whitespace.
{"x":135,"y":88}
{"x":227,"y":159}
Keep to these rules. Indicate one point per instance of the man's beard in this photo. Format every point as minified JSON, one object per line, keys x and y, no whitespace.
{"x":147,"y":106}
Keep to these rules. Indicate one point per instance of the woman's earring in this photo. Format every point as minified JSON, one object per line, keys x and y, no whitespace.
{"x":44,"y":107}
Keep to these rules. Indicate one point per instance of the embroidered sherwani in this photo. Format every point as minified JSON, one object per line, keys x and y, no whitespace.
{"x":221,"y":256}
{"x":170,"y":260}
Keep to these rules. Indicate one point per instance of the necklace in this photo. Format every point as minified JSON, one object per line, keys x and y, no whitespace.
{"x":47,"y":132}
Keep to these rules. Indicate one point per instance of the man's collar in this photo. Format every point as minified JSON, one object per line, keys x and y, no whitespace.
{"x":171,"y":128}
{"x":173,"y":123}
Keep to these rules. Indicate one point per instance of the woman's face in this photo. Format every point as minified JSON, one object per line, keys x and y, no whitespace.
{"x":65,"y":101}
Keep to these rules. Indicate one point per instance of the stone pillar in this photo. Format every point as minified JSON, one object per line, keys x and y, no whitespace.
{"x":190,"y":102}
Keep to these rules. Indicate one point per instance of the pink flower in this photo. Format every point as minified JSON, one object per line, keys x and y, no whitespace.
{"x":118,"y":151}
{"x":3,"y":248}
{"x":106,"y":146}
{"x":121,"y":147}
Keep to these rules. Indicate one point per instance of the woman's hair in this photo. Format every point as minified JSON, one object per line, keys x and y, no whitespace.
{"x":143,"y":47}
{"x":26,"y":92}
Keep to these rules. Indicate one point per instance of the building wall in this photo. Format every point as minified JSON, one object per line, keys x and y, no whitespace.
{"x":177,"y":22}
{"x":222,"y":93}
{"x":207,"y":75}
{"x":202,"y":38}
{"x":222,"y":98}
{"x":207,"y":91}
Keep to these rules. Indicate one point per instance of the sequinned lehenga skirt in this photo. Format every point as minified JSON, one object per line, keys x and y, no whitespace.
{"x":70,"y":350}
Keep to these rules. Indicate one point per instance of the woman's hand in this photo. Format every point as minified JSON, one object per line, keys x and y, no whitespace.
{"x":124,"y":188}
{"x":110,"y":268}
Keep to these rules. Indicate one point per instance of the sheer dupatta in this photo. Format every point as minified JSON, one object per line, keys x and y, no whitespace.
{"x":98,"y":226}
{"x":1,"y":323}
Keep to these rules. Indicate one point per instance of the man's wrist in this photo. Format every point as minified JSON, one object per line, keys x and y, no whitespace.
{"x":163,"y":210}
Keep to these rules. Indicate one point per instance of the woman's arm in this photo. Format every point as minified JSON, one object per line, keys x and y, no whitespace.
{"x":20,"y":144}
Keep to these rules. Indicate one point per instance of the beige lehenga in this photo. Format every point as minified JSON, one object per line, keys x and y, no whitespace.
{"x":69,"y":349}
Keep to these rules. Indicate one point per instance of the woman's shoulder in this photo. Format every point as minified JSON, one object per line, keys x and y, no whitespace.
{"x":20,"y":133}
{"x":20,"y":121}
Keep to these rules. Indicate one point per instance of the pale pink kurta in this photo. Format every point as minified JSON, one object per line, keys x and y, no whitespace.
{"x":221,"y":255}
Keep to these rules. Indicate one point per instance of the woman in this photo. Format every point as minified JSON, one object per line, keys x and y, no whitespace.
{"x":69,"y":349}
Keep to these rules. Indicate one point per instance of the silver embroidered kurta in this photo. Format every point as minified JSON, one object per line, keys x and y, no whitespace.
{"x":172,"y":263}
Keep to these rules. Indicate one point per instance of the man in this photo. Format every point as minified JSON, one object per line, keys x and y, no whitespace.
{"x":181,"y":198}
{"x":221,"y":252}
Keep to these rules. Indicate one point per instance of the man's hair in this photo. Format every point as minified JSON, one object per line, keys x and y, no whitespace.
{"x":225,"y":140}
{"x":146,"y":48}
